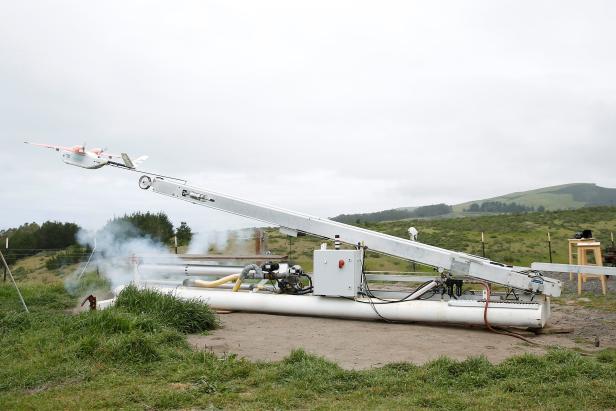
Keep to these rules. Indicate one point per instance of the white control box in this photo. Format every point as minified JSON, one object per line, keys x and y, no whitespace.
{"x":337,"y":273}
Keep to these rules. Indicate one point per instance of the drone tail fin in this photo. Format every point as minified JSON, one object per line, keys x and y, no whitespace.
{"x":139,"y":160}
{"x":127,"y":161}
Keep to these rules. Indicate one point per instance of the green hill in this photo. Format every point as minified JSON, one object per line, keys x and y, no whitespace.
{"x":562,"y":197}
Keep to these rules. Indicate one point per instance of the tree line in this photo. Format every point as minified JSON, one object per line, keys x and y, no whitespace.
{"x":29,"y":238}
{"x":156,"y":226}
{"x":32,"y":238}
{"x":500,"y":207}
{"x":433,"y":210}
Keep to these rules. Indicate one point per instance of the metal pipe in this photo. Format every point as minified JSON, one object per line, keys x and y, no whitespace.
{"x":246,"y":272}
{"x":575,"y":268}
{"x":191,"y":270}
{"x":399,"y":278}
{"x":525,"y":315}
{"x":422,"y":291}
{"x":102,"y":304}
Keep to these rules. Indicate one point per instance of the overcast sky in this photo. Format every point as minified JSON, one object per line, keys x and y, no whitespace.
{"x":324,"y":107}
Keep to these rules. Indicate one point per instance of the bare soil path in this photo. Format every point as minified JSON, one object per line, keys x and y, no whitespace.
{"x":365,"y":344}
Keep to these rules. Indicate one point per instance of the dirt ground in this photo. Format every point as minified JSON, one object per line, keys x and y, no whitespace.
{"x":365,"y":344}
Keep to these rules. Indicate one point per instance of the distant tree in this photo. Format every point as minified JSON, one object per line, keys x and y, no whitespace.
{"x":30,"y":238}
{"x":154,"y":225}
{"x":432,"y":210}
{"x":541,"y":209}
{"x":386,"y":215}
{"x":184,"y":234}
{"x":474,"y":208}
{"x":395,"y":214}
{"x":499,"y":207}
{"x":53,"y":234}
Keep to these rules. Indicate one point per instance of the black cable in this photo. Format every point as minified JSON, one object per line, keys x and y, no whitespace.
{"x":422,"y":297}
{"x":402,"y":300}
{"x":310,"y":288}
{"x":371,"y":295}
{"x":512,"y":291}
{"x":365,"y":283}
{"x":308,"y":277}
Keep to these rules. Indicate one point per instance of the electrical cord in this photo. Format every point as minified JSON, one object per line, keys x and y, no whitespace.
{"x":308,"y":277}
{"x":371,"y":296}
{"x":401,"y":300}
{"x":496,"y":330}
{"x":424,"y":297}
{"x":511,"y":291}
{"x":365,"y":284}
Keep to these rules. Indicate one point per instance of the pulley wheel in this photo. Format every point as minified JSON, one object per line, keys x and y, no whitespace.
{"x":145,"y":182}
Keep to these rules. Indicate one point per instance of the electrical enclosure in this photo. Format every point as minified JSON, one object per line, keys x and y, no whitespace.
{"x":337,"y":273}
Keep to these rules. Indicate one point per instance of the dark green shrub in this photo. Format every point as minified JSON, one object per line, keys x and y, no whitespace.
{"x":187,"y":316}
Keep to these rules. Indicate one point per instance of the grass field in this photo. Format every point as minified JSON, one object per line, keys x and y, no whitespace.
{"x":517,"y":239}
{"x":133,"y":357}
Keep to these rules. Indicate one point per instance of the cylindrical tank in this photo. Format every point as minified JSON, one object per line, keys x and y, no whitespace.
{"x":512,"y":314}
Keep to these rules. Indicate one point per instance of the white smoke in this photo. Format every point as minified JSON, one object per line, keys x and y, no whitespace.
{"x":119,"y":244}
{"x":208,"y":241}
{"x":239,"y":242}
{"x":116,"y":247}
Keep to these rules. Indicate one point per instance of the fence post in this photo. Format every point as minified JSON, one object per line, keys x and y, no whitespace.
{"x":550,"y":246}
{"x":258,"y":241}
{"x":483,"y":246}
{"x":7,"y":249}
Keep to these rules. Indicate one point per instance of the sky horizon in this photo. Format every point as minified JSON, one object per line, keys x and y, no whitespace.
{"x":323,"y":107}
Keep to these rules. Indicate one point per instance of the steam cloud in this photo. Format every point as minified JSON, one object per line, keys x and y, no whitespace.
{"x":116,"y":244}
{"x":232,"y":241}
{"x":203,"y":242}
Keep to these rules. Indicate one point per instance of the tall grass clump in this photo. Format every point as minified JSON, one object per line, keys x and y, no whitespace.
{"x":186,"y":316}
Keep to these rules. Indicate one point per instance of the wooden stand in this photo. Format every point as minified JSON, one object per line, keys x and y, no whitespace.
{"x":583,"y":248}
{"x":573,"y":242}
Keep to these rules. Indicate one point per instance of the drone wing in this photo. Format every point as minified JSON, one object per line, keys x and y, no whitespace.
{"x":57,"y":148}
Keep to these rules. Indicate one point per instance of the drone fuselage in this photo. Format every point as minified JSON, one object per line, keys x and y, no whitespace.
{"x":83,"y":159}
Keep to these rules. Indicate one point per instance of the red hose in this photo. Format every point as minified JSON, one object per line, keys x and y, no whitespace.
{"x":489,"y":327}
